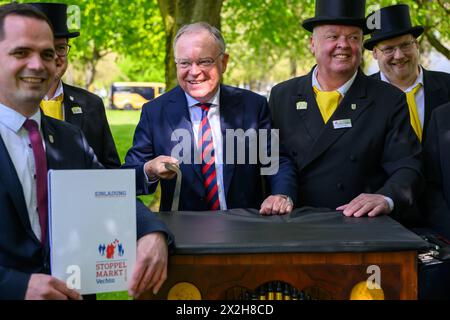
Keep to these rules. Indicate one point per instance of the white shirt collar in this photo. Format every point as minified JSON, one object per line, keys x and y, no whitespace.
{"x":215,"y":101}
{"x":418,"y":80}
{"x":342,"y":90}
{"x":14,"y":120}
{"x":59,"y":91}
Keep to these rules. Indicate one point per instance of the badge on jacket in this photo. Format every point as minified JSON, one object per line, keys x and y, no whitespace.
{"x":344,"y":123}
{"x":302,"y":105}
{"x":77,"y":110}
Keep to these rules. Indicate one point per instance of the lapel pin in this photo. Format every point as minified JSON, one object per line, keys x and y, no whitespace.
{"x":302,"y":105}
{"x":77,"y":110}
{"x":71,"y":98}
{"x":50,"y":138}
{"x":353,"y":106}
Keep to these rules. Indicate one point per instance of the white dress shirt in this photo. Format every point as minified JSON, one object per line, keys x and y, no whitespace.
{"x":17,"y":142}
{"x":342,"y":90}
{"x":195,"y":113}
{"x":419,"y":97}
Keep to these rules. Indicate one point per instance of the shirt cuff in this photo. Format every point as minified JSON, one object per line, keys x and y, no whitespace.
{"x":149,"y":182}
{"x":390,"y":203}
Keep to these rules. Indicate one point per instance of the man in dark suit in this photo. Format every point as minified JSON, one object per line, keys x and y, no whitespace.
{"x":395,"y":47}
{"x":199,"y":114}
{"x":437,"y":171}
{"x":349,"y":134}
{"x":75,"y":105}
{"x":30,"y":143}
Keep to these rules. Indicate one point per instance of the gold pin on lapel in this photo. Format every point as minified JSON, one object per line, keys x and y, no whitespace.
{"x":50,"y":138}
{"x":353,"y":106}
{"x":77,"y":110}
{"x":302,"y":105}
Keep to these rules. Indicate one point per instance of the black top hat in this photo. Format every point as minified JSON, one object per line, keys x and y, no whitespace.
{"x":341,"y":12}
{"x":395,"y":21}
{"x":57,"y":14}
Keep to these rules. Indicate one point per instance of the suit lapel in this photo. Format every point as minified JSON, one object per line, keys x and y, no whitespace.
{"x":434,"y":96}
{"x":177,"y":115}
{"x":307,"y":109}
{"x":351,"y":107}
{"x":51,"y":143}
{"x":74,"y":107}
{"x":231,"y":117}
{"x":9,"y":178}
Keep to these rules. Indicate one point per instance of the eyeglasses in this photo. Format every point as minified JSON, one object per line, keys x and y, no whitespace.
{"x":62,"y":50}
{"x":405,"y":47}
{"x":203,"y":63}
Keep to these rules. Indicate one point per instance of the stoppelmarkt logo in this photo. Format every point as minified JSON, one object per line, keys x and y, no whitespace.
{"x":114,"y":267}
{"x":111,"y":249}
{"x":110,"y":194}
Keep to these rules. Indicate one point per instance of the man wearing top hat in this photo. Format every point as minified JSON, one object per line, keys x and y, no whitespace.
{"x":75,"y":105}
{"x":394,"y":45}
{"x":348,"y":134}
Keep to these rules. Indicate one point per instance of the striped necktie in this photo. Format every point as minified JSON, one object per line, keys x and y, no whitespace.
{"x":40,"y":163}
{"x":206,"y":146}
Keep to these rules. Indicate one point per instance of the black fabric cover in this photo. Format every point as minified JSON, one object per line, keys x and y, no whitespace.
{"x":304,"y":230}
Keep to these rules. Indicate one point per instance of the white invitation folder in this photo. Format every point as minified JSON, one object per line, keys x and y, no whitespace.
{"x":92,"y":228}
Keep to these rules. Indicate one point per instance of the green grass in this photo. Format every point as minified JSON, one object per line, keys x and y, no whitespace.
{"x":122,"y":124}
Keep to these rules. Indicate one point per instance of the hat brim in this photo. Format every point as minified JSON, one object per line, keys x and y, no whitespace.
{"x":310,"y":24}
{"x":67,"y":34}
{"x":416,"y":31}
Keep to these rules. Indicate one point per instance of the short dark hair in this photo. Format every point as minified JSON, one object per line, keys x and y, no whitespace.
{"x":19,"y":9}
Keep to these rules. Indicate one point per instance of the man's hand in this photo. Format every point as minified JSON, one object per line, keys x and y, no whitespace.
{"x":155,"y":168}
{"x":370,"y":204}
{"x":277,"y":204}
{"x":45,"y":287}
{"x":150,"y":271}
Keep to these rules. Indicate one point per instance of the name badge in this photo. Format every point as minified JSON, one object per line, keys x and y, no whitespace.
{"x":344,"y":123}
{"x":77,"y":110}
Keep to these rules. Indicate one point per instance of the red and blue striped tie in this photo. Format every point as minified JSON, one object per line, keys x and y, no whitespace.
{"x":208,"y":167}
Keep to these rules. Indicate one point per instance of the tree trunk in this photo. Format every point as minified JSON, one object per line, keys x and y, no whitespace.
{"x":91,"y":68}
{"x":177,"y":13}
{"x":437,"y":44}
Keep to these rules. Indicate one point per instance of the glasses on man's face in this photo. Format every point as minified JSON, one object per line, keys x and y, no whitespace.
{"x":203,"y":63}
{"x":406,"y":47}
{"x":62,"y":50}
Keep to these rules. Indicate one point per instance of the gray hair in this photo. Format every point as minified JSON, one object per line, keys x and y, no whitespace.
{"x":201,"y":26}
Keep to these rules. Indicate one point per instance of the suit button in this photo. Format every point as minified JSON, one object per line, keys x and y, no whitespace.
{"x":352,"y":158}
{"x":340,"y":186}
{"x":294,"y":153}
{"x":202,"y":199}
{"x":46,"y":267}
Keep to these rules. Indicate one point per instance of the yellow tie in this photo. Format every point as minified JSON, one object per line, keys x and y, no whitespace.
{"x":413,"y":113}
{"x":327,"y":102}
{"x":53,"y":108}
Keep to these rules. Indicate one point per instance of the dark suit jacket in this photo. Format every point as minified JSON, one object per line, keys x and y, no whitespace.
{"x":92,"y":121}
{"x":378,"y":154}
{"x":437,"y":92}
{"x":239,"y":109}
{"x":436,"y":199}
{"x":21,"y":253}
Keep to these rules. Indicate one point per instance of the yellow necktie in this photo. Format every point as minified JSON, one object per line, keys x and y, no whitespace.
{"x":53,"y":108}
{"x":328,"y":102}
{"x":413,"y":113}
